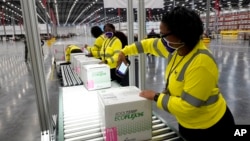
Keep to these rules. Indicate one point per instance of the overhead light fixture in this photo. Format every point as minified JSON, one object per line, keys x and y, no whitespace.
{"x":57,"y":16}
{"x":82,"y":13}
{"x":90,"y":15}
{"x":70,"y":11}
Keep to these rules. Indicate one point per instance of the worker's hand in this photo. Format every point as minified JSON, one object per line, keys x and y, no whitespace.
{"x":149,"y":94}
{"x":121,"y":58}
{"x":85,"y":46}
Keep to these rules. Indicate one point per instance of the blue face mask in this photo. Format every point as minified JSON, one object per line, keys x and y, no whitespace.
{"x":109,"y":34}
{"x":169,"y":48}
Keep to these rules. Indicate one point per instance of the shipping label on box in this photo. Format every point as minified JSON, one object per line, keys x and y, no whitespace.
{"x":96,"y":76}
{"x":125,"y":115}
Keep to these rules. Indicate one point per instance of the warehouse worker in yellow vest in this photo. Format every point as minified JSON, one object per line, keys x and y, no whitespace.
{"x":110,"y":50}
{"x":191,"y":94}
{"x":71,"y":49}
{"x":94,"y":50}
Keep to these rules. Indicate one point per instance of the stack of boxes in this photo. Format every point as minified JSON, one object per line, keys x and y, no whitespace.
{"x":74,"y":58}
{"x":75,"y":54}
{"x":94,"y":75}
{"x":84,"y":61}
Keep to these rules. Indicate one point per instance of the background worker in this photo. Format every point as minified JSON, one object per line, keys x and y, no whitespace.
{"x":110,"y":50}
{"x":191,"y":93}
{"x":124,"y":81}
{"x":94,"y":50}
{"x":71,"y":49}
{"x":26,"y":49}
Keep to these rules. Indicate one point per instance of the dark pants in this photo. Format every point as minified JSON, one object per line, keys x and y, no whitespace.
{"x":124,"y":81}
{"x":113,"y":75}
{"x":220,"y":131}
{"x":25,"y":53}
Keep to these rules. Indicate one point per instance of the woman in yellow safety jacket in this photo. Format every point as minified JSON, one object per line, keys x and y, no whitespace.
{"x":191,"y":94}
{"x":110,"y":50}
{"x":71,"y":49}
{"x":94,"y":50}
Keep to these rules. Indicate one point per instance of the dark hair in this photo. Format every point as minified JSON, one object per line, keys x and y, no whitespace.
{"x":123,"y":38}
{"x":184,"y":24}
{"x":96,"y":31}
{"x":109,"y":25}
{"x":76,"y":51}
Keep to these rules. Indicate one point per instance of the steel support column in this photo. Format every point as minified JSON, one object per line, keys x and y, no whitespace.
{"x":130,"y":22}
{"x":142,"y":32}
{"x":34,"y":47}
{"x":207,"y":16}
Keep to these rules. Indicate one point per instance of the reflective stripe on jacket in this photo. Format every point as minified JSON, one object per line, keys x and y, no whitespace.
{"x":95,"y":49}
{"x":110,"y":51}
{"x":194,"y":99}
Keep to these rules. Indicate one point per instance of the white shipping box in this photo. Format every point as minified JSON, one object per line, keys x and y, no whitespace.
{"x":74,"y":60}
{"x":85,"y":61}
{"x":59,"y":47}
{"x":125,"y":115}
{"x":59,"y":57}
{"x":75,"y":54}
{"x":96,"y":76}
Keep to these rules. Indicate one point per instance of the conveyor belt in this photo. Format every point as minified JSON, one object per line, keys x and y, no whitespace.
{"x":79,"y":120}
{"x":69,"y":77}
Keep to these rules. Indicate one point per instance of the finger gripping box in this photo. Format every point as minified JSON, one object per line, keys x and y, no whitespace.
{"x":125,"y":115}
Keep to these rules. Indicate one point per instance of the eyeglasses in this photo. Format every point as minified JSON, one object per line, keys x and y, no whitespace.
{"x":165,"y":35}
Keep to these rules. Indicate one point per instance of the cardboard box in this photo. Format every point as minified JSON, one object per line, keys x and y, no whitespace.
{"x":76,"y":54}
{"x":59,"y":57}
{"x":96,"y":76}
{"x":59,"y":48}
{"x":125,"y":115}
{"x":73,"y":54}
{"x":74,"y":60}
{"x":80,"y":62}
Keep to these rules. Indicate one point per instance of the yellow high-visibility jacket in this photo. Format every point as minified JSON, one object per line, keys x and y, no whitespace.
{"x":110,"y":51}
{"x":69,"y":49}
{"x":194,"y":97}
{"x":95,"y":49}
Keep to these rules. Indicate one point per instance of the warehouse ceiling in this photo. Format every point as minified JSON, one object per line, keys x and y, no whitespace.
{"x":74,"y":12}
